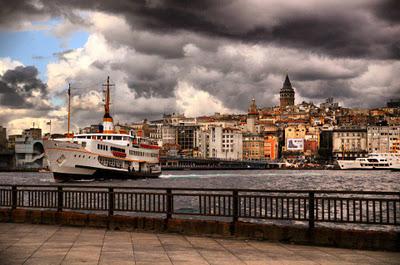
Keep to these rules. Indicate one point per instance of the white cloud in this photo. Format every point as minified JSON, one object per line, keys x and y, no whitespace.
{"x":7,"y":63}
{"x":80,"y":61}
{"x":194,"y":102}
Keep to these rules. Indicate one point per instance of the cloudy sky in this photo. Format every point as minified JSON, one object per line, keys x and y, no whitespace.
{"x":196,"y":57}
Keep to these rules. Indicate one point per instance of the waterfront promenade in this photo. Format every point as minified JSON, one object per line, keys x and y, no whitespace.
{"x":49,"y":244}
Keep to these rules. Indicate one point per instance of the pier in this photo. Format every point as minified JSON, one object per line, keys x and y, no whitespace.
{"x":196,"y":163}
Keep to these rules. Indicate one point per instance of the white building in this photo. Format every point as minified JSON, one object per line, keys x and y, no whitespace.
{"x":168,"y":134}
{"x":383,"y":139}
{"x":155,"y":133}
{"x":29,"y":153}
{"x":349,"y":143}
{"x":224,"y":143}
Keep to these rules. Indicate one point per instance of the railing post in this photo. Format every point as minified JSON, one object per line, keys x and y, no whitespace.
{"x":111,"y":197}
{"x":235,"y":206}
{"x":235,"y":211}
{"x":311,"y":217}
{"x":14,"y":198}
{"x":60,"y":199}
{"x":169,"y":203}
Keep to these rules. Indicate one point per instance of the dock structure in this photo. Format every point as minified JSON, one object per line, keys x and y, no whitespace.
{"x":196,"y":163}
{"x":55,"y":244}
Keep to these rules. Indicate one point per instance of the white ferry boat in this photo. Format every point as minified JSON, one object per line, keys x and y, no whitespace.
{"x":105,"y":154}
{"x":373,"y":161}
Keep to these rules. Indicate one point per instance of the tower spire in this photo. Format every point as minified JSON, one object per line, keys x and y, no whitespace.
{"x":287,"y":94}
{"x":287,"y":82}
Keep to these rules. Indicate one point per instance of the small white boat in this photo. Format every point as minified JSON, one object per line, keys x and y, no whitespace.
{"x":388,"y":161}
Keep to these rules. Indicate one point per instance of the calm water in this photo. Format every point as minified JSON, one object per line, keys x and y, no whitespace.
{"x":252,"y":179}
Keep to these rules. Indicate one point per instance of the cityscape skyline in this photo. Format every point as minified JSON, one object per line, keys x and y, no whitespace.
{"x":166,"y":56}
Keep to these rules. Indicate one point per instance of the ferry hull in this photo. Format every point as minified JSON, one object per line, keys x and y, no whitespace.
{"x":68,"y":161}
{"x":104,"y":174}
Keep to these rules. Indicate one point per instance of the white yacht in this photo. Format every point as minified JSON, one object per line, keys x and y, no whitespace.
{"x":105,"y":154}
{"x":373,"y":161}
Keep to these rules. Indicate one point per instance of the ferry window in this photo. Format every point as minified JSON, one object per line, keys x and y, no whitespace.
{"x":98,"y":137}
{"x":125,"y":138}
{"x":117,"y":137}
{"x":108,"y":137}
{"x":87,"y":137}
{"x":117,"y":149}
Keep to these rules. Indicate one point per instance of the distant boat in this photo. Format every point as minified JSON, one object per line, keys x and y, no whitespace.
{"x":102,"y":155}
{"x":373,"y":161}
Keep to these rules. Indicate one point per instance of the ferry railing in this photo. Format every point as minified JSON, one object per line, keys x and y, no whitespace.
{"x":310,"y":206}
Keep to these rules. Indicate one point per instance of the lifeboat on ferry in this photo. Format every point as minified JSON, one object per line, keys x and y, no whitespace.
{"x":149,"y":146}
{"x":119,"y":154}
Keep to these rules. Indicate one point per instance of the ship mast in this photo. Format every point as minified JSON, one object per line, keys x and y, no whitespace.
{"x":108,"y":125}
{"x":69,"y":109}
{"x":107,"y":100}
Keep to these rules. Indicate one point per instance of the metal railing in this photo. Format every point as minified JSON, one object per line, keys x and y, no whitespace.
{"x":311,"y":206}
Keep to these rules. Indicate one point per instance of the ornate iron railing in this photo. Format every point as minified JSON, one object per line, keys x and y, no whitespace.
{"x":311,"y":206}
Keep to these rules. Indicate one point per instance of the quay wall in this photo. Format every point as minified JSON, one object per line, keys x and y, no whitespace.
{"x":321,"y":236}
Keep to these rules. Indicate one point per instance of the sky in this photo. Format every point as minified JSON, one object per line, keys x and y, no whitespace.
{"x":195,"y":57}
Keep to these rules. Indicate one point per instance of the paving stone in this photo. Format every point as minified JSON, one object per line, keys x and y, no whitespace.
{"x":39,"y":244}
{"x":44,"y":261}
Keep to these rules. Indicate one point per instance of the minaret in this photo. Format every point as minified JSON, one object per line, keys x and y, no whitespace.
{"x":108,"y":125}
{"x":252,"y":116}
{"x":286,"y":94}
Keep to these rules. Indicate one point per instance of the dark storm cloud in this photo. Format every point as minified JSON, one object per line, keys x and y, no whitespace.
{"x":342,"y":33}
{"x":152,"y":88}
{"x":348,"y":30}
{"x":18,"y":84}
{"x":324,"y":89}
{"x":388,"y":10}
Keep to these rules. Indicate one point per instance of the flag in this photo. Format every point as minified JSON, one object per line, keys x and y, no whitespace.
{"x":48,"y":123}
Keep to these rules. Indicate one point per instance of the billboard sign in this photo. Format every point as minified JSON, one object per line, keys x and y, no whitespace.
{"x":295,"y":144}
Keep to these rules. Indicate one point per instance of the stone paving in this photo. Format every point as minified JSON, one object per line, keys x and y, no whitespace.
{"x":41,"y":244}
